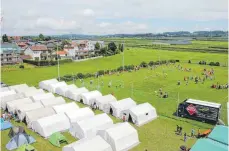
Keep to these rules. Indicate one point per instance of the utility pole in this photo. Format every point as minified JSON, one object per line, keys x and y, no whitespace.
{"x":58,"y":64}
{"x":123,"y":56}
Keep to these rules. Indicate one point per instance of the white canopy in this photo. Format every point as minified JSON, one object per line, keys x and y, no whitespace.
{"x":34,"y":115}
{"x":88,"y":144}
{"x":46,"y":126}
{"x":52,"y":87}
{"x":116,"y":108}
{"x":5,"y":93}
{"x":80,"y":114}
{"x":19,"y":87}
{"x":74,"y":94}
{"x":88,"y":128}
{"x":121,"y":136}
{"x":102,"y":102}
{"x":141,"y":114}
{"x":62,"y":90}
{"x":86,"y":97}
{"x":44,"y":84}
{"x":25,"y":89}
{"x":10,"y":98}
{"x":2,"y":89}
{"x":65,"y":107}
{"x":31,"y":92}
{"x":21,"y":109}
{"x":39,"y":97}
{"x":52,"y":101}
{"x":11,"y":106}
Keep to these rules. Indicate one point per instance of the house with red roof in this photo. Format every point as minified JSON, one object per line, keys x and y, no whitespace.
{"x":38,"y":52}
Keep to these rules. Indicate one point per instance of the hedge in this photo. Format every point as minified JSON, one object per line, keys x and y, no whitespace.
{"x":46,"y":62}
{"x":214,"y":64}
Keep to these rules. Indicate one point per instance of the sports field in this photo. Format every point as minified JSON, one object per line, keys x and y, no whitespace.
{"x":141,"y":85}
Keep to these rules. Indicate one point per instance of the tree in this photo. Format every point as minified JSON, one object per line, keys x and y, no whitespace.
{"x":97,"y":46}
{"x":122,"y":48}
{"x":5,"y":38}
{"x":47,"y":38}
{"x":103,"y":50}
{"x":112,"y":46}
{"x":63,"y":43}
{"x":41,"y":37}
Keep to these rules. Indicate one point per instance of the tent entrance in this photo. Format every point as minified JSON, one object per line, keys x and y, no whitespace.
{"x":81,"y":100}
{"x":130,"y":119}
{"x":111,"y":111}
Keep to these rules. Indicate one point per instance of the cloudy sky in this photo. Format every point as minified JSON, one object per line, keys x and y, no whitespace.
{"x":31,"y":17}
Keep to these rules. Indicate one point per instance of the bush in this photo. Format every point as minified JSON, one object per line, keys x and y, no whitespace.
{"x":177,"y":60}
{"x":217,"y":64}
{"x":46,"y":62}
{"x":120,"y":68}
{"x":101,"y":72}
{"x":151,"y":63}
{"x":214,"y":64}
{"x":172,"y":61}
{"x":80,"y":75}
{"x":143,"y":64}
{"x":21,"y":67}
{"x":189,"y":61}
{"x":88,"y":75}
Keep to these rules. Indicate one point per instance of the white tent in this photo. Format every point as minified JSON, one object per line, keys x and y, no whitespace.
{"x":52,"y":87}
{"x":74,"y":94}
{"x":121,"y":136}
{"x":30,"y":92}
{"x":62,"y":108}
{"x":11,"y":105}
{"x":86,"y":97}
{"x":2,"y":89}
{"x":46,"y":126}
{"x":44,"y":84}
{"x":19,"y":87}
{"x":25,"y":89}
{"x":34,"y":115}
{"x":116,"y":108}
{"x":80,"y":114}
{"x":62,"y":90}
{"x":88,"y":144}
{"x":141,"y":114}
{"x":88,"y":128}
{"x":102,"y":102}
{"x":39,"y":97}
{"x":5,"y":93}
{"x":52,"y":101}
{"x":21,"y":109}
{"x":10,"y":98}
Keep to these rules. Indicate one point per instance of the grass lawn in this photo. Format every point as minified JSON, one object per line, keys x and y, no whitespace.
{"x":159,"y":134}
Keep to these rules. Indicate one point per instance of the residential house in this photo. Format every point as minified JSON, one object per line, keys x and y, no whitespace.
{"x":10,"y":53}
{"x":62,"y":53}
{"x":38,"y":52}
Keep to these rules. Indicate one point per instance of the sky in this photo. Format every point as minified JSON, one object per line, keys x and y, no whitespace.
{"x":101,"y":17}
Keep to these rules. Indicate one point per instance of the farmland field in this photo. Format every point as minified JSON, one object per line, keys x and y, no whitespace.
{"x":141,"y":85}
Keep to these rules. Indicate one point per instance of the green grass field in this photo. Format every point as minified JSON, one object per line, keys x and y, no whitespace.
{"x":159,"y":134}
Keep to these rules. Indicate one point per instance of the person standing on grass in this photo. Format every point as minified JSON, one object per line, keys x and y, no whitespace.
{"x":185,"y":137}
{"x":180,"y":130}
{"x":192,"y":133}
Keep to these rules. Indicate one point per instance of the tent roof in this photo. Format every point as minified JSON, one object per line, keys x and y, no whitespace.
{"x":88,"y":144}
{"x":76,"y":115}
{"x":6,"y":93}
{"x":29,"y":106}
{"x":79,"y":90}
{"x":90,"y":94}
{"x":208,"y":145}
{"x":205,"y":103}
{"x":65,"y":107}
{"x":49,"y":120}
{"x":10,"y":98}
{"x":124,"y":103}
{"x":19,"y":101}
{"x":105,"y":99}
{"x":220,"y":134}
{"x":49,"y":81}
{"x":94,"y":121}
{"x":32,"y":92}
{"x":67,"y":87}
{"x":39,"y":97}
{"x":120,"y":130}
{"x":24,"y":89}
{"x":55,"y":139}
{"x":2,"y":89}
{"x":13,"y":87}
{"x":58,"y":84}
{"x":52,"y":101}
{"x":142,"y":108}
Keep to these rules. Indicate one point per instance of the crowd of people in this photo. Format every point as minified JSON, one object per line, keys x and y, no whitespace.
{"x":192,"y":134}
{"x":162,"y":94}
{"x":220,"y":86}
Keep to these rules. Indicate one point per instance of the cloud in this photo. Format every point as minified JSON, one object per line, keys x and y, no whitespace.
{"x":109,"y":16}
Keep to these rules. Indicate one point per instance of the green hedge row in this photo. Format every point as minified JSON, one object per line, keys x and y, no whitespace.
{"x":46,"y":62}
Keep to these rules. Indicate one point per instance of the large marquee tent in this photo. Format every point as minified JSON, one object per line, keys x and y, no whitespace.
{"x":121,"y":136}
{"x":88,"y":144}
{"x":21,"y":109}
{"x":74,"y":94}
{"x":88,"y":128}
{"x":11,"y":97}
{"x":11,"y":106}
{"x":86,"y":97}
{"x":39,"y":97}
{"x":80,"y":114}
{"x":44,"y":84}
{"x":52,"y":87}
{"x":46,"y":126}
{"x":25,"y":89}
{"x":102,"y":102}
{"x":34,"y":115}
{"x":116,"y":108}
{"x":52,"y":101}
{"x":62,"y":90}
{"x":62,"y":108}
{"x":18,"y":87}
{"x":141,"y":114}
{"x":31,"y":92}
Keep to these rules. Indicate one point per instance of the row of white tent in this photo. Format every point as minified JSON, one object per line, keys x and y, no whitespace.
{"x":125,"y":108}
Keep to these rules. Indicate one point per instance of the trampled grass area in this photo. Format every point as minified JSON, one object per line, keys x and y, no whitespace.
{"x":159,"y":134}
